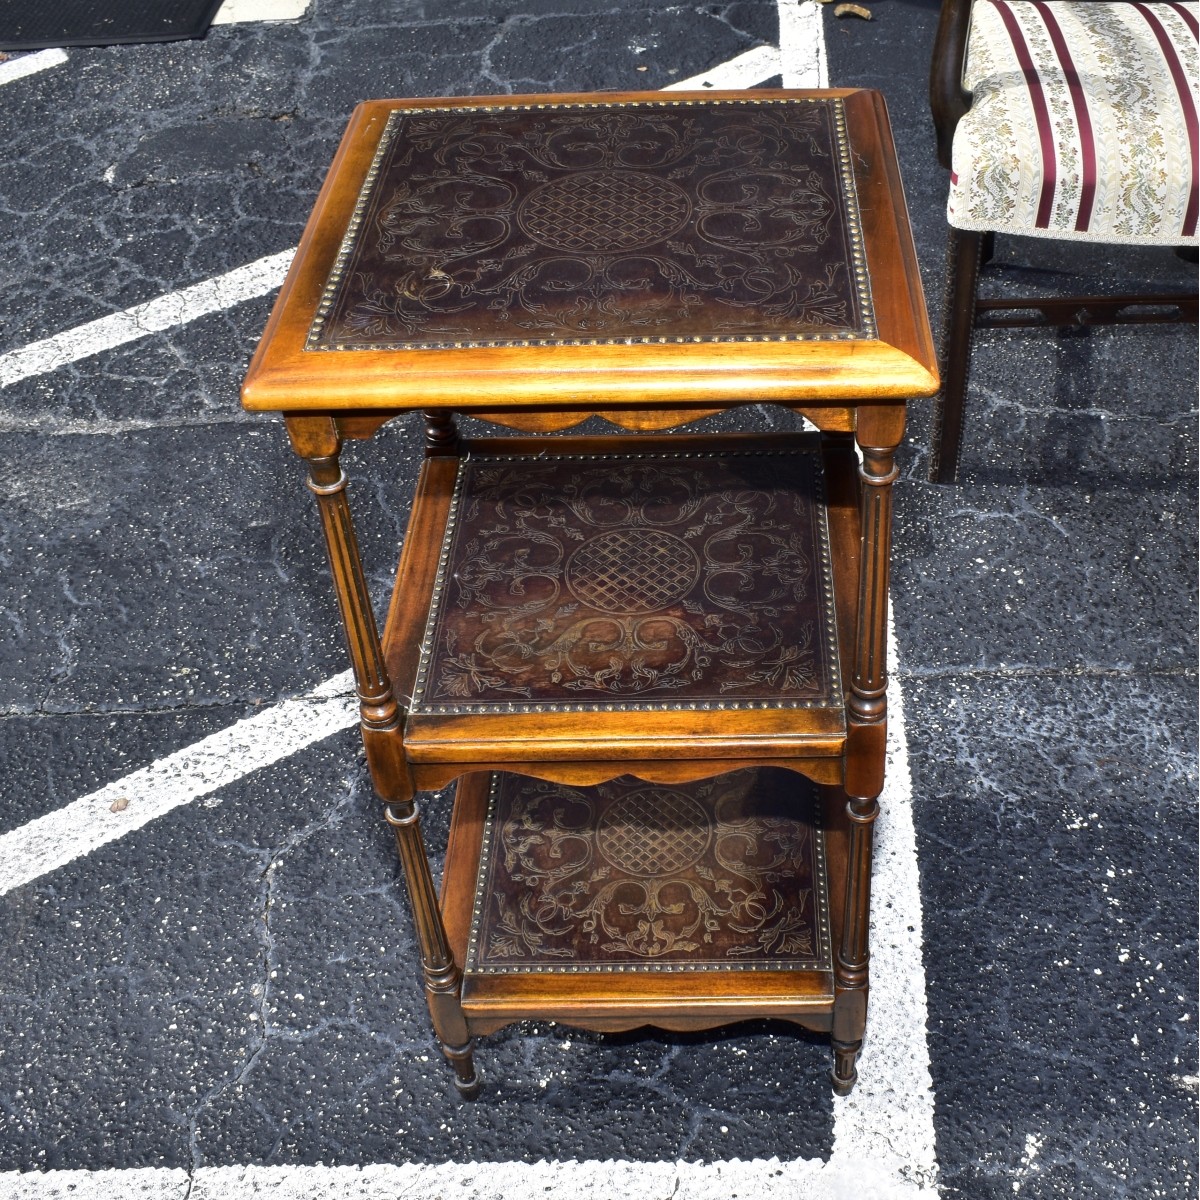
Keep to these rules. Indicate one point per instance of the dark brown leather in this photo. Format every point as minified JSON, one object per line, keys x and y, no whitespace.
{"x":643,"y":580}
{"x":630,"y":222}
{"x":726,"y":873}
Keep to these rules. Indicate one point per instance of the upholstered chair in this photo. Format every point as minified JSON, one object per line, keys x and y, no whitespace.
{"x":1067,"y":119}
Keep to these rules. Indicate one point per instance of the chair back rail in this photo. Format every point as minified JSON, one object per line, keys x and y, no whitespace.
{"x":948,"y":98}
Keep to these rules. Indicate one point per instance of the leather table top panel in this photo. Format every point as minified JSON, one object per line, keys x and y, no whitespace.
{"x":727,"y":873}
{"x":633,"y":581}
{"x":635,"y":221}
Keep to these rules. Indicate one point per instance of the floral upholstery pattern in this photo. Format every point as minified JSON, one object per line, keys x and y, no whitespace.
{"x":1083,"y":122}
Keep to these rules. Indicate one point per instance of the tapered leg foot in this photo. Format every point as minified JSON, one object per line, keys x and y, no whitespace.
{"x":845,"y":1070}
{"x":466,"y":1078}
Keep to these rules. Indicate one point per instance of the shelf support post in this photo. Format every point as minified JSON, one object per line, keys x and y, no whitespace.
{"x":441,"y":433}
{"x":316,"y":440}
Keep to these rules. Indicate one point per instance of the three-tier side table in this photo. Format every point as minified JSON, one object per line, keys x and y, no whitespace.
{"x":654,"y":662}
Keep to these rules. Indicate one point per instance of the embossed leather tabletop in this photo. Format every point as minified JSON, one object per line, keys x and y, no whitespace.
{"x":633,"y":221}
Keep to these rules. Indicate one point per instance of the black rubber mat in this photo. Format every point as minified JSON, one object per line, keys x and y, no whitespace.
{"x":39,"y":24}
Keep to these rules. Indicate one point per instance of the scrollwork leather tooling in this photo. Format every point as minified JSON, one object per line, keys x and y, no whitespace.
{"x":635,"y":222}
{"x":587,"y":582}
{"x":728,"y":873}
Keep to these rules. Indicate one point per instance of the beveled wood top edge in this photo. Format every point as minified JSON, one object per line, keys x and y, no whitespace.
{"x":689,"y":375}
{"x":307,"y":264}
{"x":459,"y":740}
{"x":283,"y":375}
{"x":921,"y":347}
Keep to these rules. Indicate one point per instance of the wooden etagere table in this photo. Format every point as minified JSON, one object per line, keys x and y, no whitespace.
{"x":654,"y":662}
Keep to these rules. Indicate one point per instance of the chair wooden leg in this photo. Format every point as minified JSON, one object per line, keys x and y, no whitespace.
{"x":962,"y":262}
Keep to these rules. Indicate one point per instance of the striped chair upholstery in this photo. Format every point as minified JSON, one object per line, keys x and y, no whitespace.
{"x":1082,"y":121}
{"x":1065,"y":119}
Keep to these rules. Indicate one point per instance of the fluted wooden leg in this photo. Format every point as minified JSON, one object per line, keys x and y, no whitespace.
{"x":383,"y":737}
{"x":867,"y":701}
{"x":866,"y":740}
{"x":962,"y":281}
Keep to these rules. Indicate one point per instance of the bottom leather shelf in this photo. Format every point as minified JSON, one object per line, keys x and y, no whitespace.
{"x":628,"y":903}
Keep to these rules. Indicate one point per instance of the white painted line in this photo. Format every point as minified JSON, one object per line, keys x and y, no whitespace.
{"x":486,"y":1181}
{"x":30,"y":64}
{"x":233,"y":12}
{"x":802,"y":44}
{"x":764,"y":1179}
{"x":126,"y":804}
{"x":742,"y":72}
{"x":888,"y":1119}
{"x":165,"y":312}
{"x":799,"y":59}
{"x":150,"y":1183}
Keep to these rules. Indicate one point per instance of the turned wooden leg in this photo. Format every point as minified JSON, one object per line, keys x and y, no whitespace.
{"x":443,"y":981}
{"x":845,"y":1073}
{"x":383,"y":736}
{"x":441,"y":433}
{"x":851,"y":966}
{"x":962,"y":267}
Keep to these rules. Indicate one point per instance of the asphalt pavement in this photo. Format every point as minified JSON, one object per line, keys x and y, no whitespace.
{"x":218,"y":997}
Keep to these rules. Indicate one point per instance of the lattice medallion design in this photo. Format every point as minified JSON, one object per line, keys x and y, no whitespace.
{"x":728,"y":874}
{"x":696,"y":580}
{"x":653,"y":832}
{"x":632,"y":570}
{"x":604,"y":212}
{"x":638,"y":221}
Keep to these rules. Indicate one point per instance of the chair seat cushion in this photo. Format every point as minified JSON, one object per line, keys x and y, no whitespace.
{"x":1083,"y":121}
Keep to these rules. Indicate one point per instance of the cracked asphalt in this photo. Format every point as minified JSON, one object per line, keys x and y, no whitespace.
{"x":234,"y":983}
